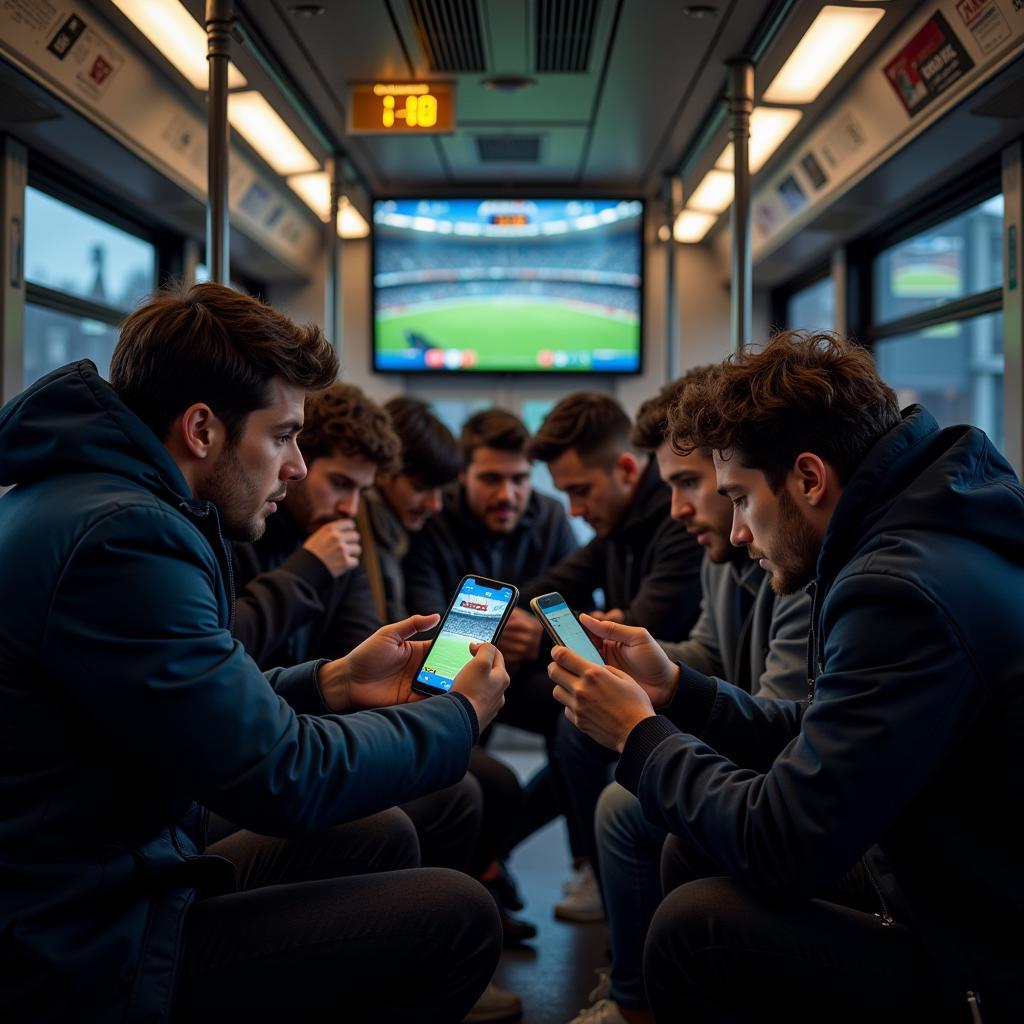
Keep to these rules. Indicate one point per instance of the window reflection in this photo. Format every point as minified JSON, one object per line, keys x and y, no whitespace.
{"x":812,"y":308}
{"x":53,"y":339}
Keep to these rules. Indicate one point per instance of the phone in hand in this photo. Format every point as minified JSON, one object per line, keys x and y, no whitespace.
{"x":563,"y":627}
{"x":478,"y":612}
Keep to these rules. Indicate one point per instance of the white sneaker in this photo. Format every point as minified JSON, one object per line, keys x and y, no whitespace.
{"x":605,"y":1011}
{"x":576,"y":879}
{"x":583,"y":904}
{"x":495,"y":1004}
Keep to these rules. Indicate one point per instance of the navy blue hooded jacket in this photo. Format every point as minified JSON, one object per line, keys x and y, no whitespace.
{"x":124,"y":701}
{"x":915,"y":737}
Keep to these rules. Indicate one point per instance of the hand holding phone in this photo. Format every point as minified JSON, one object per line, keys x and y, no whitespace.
{"x":563,"y":627}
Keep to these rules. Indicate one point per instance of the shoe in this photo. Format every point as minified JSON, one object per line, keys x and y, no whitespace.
{"x":576,"y":879}
{"x":515,"y":931}
{"x":502,"y":887}
{"x":603,"y":988}
{"x":583,"y":904}
{"x":605,"y":1011}
{"x":495,"y":1004}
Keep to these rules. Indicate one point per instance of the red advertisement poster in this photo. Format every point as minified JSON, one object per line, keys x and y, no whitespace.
{"x":928,"y":65}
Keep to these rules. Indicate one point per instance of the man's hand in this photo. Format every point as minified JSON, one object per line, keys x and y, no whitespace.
{"x":600,"y":700}
{"x":633,"y":650}
{"x":612,"y":615}
{"x":337,"y":545}
{"x":520,"y":639}
{"x":379,"y":673}
{"x":482,"y":682}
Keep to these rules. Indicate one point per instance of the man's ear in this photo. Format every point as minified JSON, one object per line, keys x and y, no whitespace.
{"x":811,"y":478}
{"x":628,"y":466}
{"x":200,"y":430}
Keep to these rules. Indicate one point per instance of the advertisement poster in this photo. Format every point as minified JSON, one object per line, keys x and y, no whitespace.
{"x":928,"y":65}
{"x":986,"y":21}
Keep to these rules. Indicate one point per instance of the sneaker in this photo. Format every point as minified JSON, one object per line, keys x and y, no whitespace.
{"x":502,"y":887}
{"x":576,"y":879}
{"x":583,"y":904}
{"x":515,"y":930}
{"x":495,"y":1004}
{"x":605,"y":1011}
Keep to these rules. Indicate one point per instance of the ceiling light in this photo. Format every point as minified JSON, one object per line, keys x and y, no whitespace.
{"x":261,"y":126}
{"x":178,"y":36}
{"x":769,"y":127}
{"x":315,"y":191}
{"x":351,"y":223}
{"x":827,"y":45}
{"x":713,"y":194}
{"x":692,"y":225}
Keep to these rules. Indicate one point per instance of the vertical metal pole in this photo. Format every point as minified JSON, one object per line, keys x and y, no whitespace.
{"x":332,"y":252}
{"x":1013,"y":304}
{"x":219,"y":19}
{"x":13,"y":178}
{"x":741,"y":104}
{"x":839,"y":272}
{"x":673,"y":194}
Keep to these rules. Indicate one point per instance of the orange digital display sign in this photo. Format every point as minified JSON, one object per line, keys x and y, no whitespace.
{"x":402,"y":108}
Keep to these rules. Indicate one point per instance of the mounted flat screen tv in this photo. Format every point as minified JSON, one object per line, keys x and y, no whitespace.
{"x":507,"y":285}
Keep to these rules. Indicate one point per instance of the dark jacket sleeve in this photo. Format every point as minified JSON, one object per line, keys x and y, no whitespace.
{"x":889,"y":708}
{"x":137,"y":602}
{"x":353,"y":615}
{"x":274,"y":604}
{"x":668,"y":602}
{"x":425,"y":570}
{"x":575,"y":577}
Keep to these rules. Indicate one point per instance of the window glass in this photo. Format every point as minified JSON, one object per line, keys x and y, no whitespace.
{"x":955,"y":370}
{"x":53,"y":339}
{"x":73,"y":252}
{"x":960,"y":257}
{"x":812,"y":308}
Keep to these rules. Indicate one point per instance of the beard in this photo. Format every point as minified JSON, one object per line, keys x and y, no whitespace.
{"x":795,"y":549}
{"x":236,"y":497}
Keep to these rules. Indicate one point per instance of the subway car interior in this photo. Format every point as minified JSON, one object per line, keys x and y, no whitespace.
{"x":497,"y":204}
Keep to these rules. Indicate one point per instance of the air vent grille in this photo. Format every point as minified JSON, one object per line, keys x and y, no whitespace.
{"x":508,"y":149}
{"x":449,"y":34}
{"x":565,"y":34}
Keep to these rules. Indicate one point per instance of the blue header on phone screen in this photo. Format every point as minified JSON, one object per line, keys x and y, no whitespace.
{"x":474,"y":617}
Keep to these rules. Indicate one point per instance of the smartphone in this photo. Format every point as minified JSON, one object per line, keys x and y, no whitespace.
{"x":478,"y":612}
{"x":563,"y":627}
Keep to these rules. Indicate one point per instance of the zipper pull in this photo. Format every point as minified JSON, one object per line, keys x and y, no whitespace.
{"x":886,"y":919}
{"x":974,"y":1005}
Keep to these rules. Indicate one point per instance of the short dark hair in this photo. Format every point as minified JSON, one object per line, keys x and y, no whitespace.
{"x":651,"y":426}
{"x":211,"y":344}
{"x":342,"y":419}
{"x":430,"y":454}
{"x":802,"y":392}
{"x":493,"y":428}
{"x":592,"y":424}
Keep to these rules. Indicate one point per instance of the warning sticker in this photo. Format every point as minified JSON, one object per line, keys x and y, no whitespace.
{"x":986,"y":21}
{"x":66,"y":36}
{"x":928,"y":65}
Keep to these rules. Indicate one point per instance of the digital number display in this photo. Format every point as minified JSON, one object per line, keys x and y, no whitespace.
{"x":510,"y":220}
{"x":396,"y":108}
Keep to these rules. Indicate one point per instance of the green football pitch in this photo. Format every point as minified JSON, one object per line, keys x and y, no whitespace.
{"x":509,"y":335}
{"x":449,"y":653}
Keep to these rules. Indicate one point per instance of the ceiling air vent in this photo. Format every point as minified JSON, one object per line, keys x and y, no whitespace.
{"x":508,"y":149}
{"x":449,"y":34}
{"x":565,"y":34}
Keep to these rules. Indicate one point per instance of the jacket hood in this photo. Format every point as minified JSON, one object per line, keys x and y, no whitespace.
{"x":72,"y":421}
{"x":918,"y":478}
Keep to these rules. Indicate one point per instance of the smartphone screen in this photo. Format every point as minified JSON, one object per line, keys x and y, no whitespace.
{"x":565,"y":626}
{"x":476,"y":614}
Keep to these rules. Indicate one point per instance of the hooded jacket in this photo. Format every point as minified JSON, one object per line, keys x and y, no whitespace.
{"x":914,"y":740}
{"x":124,"y":700}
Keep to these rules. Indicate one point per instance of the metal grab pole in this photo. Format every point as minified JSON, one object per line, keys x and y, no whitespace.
{"x":219,"y":19}
{"x":741,"y":104}
{"x":332,"y":246}
{"x":673,"y":195}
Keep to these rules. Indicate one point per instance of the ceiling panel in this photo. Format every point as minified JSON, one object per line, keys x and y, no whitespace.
{"x":559,"y":157}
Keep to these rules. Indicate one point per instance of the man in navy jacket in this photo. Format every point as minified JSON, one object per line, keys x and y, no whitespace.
{"x":128,"y":708}
{"x":857,"y":855}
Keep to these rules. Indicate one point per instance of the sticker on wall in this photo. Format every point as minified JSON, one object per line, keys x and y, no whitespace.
{"x":986,"y":21}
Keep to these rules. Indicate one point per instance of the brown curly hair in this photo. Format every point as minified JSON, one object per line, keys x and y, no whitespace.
{"x":342,"y":419}
{"x":802,"y":392}
{"x":651,"y":426}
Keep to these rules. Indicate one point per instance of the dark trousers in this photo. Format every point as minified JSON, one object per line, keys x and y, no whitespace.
{"x":717,"y":952}
{"x":340,"y":925}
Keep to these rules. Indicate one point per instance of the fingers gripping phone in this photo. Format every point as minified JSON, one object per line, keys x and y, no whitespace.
{"x":563,"y":627}
{"x":477,"y":613}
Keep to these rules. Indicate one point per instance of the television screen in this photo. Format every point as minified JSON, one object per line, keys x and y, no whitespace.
{"x":507,"y":285}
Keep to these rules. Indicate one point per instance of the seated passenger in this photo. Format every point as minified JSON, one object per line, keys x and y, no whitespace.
{"x":746,"y":633}
{"x":856,"y":855}
{"x":646,"y":563}
{"x":125,"y":700}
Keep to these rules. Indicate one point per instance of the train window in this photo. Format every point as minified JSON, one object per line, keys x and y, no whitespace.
{"x":53,"y":338}
{"x":812,"y":308}
{"x":958,"y":258}
{"x":954,"y":369}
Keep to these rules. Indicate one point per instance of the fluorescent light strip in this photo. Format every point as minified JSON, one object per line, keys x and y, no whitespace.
{"x":692,"y":225}
{"x":314,"y":190}
{"x":713,"y":194}
{"x":351,"y":223}
{"x":262,"y":127}
{"x":834,"y":36}
{"x":769,"y":128}
{"x":178,"y":36}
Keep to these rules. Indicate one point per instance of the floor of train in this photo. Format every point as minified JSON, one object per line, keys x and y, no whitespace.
{"x":554,"y":973}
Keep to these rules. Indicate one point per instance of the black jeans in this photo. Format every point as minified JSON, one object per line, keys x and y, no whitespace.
{"x":313,"y":936}
{"x":717,"y":952}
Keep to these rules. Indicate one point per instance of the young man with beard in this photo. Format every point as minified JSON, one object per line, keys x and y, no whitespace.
{"x":746,"y":633}
{"x":645,"y":562}
{"x":129,"y":708}
{"x":856,"y":854}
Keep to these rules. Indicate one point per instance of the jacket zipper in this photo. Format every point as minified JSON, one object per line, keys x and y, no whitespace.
{"x":812,"y":647}
{"x":974,"y":1006}
{"x":885,"y":917}
{"x":203,"y":513}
